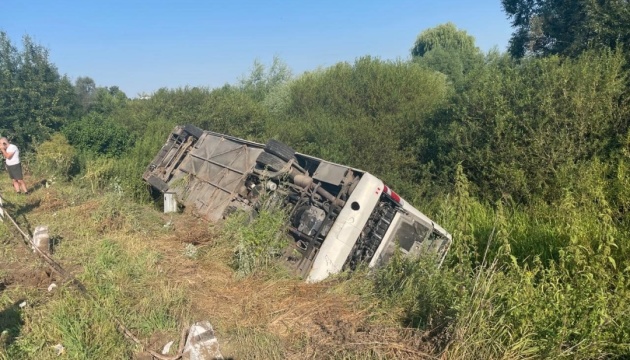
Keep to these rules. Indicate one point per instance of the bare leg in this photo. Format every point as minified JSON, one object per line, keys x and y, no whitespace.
{"x":22,"y":185}
{"x":16,"y":185}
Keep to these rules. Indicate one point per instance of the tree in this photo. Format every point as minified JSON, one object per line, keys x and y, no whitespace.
{"x":263,"y":80}
{"x":35,"y":100}
{"x":85,"y":88}
{"x":448,"y":50}
{"x":445,"y":36}
{"x":107,"y":100}
{"x":566,"y":27}
{"x":9,"y":65}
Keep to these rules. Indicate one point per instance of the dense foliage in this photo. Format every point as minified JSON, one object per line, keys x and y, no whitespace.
{"x":35,"y":100}
{"x":97,"y":134}
{"x":544,"y":27}
{"x":525,"y":160}
{"x":520,"y":126}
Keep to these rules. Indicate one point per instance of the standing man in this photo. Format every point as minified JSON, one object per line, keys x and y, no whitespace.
{"x":12,"y":155}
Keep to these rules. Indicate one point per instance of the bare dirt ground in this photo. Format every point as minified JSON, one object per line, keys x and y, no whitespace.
{"x":18,"y":270}
{"x":327,"y":323}
{"x":296,"y":320}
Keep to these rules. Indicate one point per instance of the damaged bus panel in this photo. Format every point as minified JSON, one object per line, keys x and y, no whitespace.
{"x":339,"y":217}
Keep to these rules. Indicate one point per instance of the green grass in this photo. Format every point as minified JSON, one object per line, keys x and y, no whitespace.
{"x":259,"y":239}
{"x":102,"y":242}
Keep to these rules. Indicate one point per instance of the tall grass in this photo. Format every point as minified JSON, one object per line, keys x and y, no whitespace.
{"x":537,"y":282}
{"x":107,"y":248}
{"x":259,"y":239}
{"x":123,"y":284}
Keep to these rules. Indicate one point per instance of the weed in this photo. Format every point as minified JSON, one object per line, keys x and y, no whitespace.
{"x":190,"y":251}
{"x":56,"y":158}
{"x":259,"y":241}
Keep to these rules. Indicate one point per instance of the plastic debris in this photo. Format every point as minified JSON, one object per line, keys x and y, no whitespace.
{"x":59,"y":349}
{"x":201,"y":343}
{"x":22,"y":304}
{"x":52,"y":286}
{"x":167,"y":347}
{"x":41,"y":239}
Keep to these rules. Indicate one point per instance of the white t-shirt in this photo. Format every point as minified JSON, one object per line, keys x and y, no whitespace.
{"x":16,"y":155}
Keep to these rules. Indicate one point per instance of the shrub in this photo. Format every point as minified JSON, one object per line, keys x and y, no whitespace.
{"x":258,"y":241}
{"x":56,"y":157}
{"x":98,"y":135}
{"x":519,"y":122}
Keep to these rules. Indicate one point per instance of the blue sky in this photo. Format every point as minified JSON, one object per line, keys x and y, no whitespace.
{"x":141,"y":46}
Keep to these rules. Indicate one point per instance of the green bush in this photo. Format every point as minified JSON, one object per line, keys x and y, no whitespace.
{"x":98,"y":135}
{"x":56,"y":158}
{"x":370,"y":115}
{"x":517,"y":123}
{"x":259,"y":241}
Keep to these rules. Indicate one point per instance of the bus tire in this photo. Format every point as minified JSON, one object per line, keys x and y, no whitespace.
{"x":280,"y":150}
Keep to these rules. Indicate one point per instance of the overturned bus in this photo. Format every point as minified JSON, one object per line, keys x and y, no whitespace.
{"x":339,"y":217}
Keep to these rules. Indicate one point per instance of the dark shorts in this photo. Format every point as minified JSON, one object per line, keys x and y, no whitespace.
{"x":15,"y":171}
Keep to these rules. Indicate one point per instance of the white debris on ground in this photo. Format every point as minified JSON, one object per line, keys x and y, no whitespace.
{"x":41,"y":239}
{"x":59,"y":349}
{"x":52,"y":286}
{"x":22,"y":304}
{"x":201,"y":343}
{"x":167,"y":348}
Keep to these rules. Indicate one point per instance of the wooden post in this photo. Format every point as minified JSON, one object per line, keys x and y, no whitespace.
{"x":170,"y":203}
